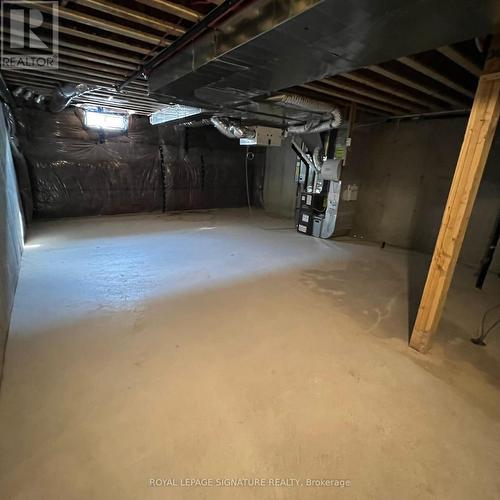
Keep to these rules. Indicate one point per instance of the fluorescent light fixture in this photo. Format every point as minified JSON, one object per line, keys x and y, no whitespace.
{"x":106,"y":120}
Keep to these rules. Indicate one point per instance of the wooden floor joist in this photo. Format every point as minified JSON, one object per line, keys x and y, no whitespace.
{"x":473,"y":155}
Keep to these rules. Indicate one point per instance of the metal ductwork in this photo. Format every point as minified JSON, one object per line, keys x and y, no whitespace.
{"x":260,"y":47}
{"x":28,"y":95}
{"x":204,"y":122}
{"x":18,"y":92}
{"x":39,"y":100}
{"x":301,"y":102}
{"x":313,"y":106}
{"x":317,"y":158}
{"x":175,"y":114}
{"x":231,"y":129}
{"x":318,"y":126}
{"x":63,"y":95}
{"x":197,"y":69}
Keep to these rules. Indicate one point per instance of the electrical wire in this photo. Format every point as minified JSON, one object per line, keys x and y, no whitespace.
{"x":250,"y":156}
{"x":482,"y":332}
{"x":247,"y":157}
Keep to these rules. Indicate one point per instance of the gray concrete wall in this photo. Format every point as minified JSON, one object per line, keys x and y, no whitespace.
{"x":406,"y":171}
{"x":279,"y":182}
{"x":11,"y":234}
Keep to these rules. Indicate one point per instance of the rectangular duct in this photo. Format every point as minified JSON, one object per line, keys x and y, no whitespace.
{"x":269,"y":45}
{"x":173,"y":112}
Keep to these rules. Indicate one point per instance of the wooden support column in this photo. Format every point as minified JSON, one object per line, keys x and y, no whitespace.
{"x":476,"y":145}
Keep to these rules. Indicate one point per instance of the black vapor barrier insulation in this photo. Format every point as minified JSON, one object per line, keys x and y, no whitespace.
{"x":77,"y":171}
{"x":204,"y":169}
{"x":21,"y":167}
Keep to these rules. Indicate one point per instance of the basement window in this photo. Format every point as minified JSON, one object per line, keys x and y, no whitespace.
{"x":105,"y":120}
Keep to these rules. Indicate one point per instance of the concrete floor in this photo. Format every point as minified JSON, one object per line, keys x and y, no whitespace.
{"x":214,"y":345}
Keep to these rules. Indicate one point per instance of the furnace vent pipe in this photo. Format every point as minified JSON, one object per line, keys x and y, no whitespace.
{"x":231,"y":129}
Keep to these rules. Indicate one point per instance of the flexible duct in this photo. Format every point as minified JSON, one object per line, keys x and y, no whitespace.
{"x":222,"y":127}
{"x":39,"y":100}
{"x":18,"y":92}
{"x":315,"y":126}
{"x":317,"y":158}
{"x":312,"y":105}
{"x":298,"y":101}
{"x":62,"y":96}
{"x":28,"y":95}
{"x":232,"y":130}
{"x":196,"y":123}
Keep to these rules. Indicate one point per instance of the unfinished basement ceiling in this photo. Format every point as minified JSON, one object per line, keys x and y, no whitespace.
{"x":433,"y":81}
{"x":102,"y":43}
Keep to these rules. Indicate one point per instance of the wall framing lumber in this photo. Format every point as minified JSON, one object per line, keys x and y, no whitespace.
{"x":476,"y":145}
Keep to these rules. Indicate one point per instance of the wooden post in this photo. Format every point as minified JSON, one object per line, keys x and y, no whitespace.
{"x":476,"y":145}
